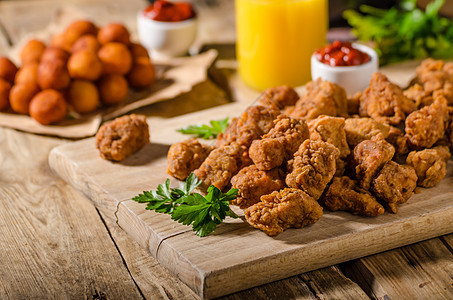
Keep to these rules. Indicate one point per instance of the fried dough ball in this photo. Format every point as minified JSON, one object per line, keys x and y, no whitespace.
{"x":78,"y":28}
{"x":185,"y":157}
{"x":86,"y":42}
{"x":121,"y":137}
{"x":7,"y":69}
{"x":114,"y":32}
{"x":137,"y":50}
{"x":47,"y":107}
{"x":142,"y":73}
{"x":27,"y":73}
{"x":113,"y":89}
{"x":60,"y":41}
{"x":283,"y":209}
{"x":20,"y":96}
{"x":83,"y":96}
{"x":85,"y":64}
{"x":54,"y":53}
{"x":53,"y":75}
{"x":32,"y":52}
{"x":5,"y":87}
{"x":116,"y":58}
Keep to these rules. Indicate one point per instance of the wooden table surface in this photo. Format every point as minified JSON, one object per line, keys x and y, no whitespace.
{"x":55,"y":244}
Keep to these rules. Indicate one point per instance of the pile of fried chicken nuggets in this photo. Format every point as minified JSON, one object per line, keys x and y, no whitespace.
{"x":291,"y":156}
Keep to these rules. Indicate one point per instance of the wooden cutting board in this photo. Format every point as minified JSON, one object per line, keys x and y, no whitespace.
{"x":237,"y":256}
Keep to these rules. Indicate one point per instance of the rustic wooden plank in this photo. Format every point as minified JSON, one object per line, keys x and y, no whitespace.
{"x":154,"y":281}
{"x":236,"y":251}
{"x":330,"y":283}
{"x":291,"y":288}
{"x":418,"y":271}
{"x":46,"y":253}
{"x":448,"y":241}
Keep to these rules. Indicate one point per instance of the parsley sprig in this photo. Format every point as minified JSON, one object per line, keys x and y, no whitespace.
{"x":205,"y":131}
{"x":204,"y":213}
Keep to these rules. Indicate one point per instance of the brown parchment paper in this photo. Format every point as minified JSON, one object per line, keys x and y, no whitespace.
{"x":174,"y":76}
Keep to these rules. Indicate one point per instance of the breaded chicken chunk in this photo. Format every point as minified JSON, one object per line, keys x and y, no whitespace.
{"x":283,"y":209}
{"x":384,"y":101}
{"x":185,"y":157}
{"x":253,"y":183}
{"x":220,"y":165}
{"x":251,"y":125}
{"x":370,"y":156}
{"x":430,"y":165}
{"x":436,"y":75}
{"x":322,"y":98}
{"x":394,"y":184}
{"x":280,"y":96}
{"x":121,"y":137}
{"x":426,"y":126}
{"x":330,"y":130}
{"x":279,"y":143}
{"x":360,"y":129}
{"x":345,"y":194}
{"x":313,"y":167}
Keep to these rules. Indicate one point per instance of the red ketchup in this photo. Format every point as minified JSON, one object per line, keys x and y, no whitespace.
{"x":341,"y":54}
{"x":166,"y":11}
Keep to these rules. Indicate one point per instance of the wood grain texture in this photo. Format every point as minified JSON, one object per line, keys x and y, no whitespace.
{"x":220,"y":263}
{"x":418,"y":271}
{"x":45,"y":252}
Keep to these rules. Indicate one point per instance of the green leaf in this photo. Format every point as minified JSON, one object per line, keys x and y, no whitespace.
{"x":432,"y":9}
{"x":205,"y":131}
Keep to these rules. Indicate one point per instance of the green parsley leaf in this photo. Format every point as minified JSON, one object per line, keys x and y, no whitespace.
{"x":205,"y":131}
{"x":203,"y":213}
{"x":404,"y":33}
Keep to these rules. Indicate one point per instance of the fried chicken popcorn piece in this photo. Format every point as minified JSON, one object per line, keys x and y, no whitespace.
{"x":322,"y":98}
{"x":418,"y":95}
{"x":279,"y":143}
{"x":185,"y":157}
{"x":330,"y":130}
{"x":121,"y":137}
{"x":252,"y":183}
{"x":435,"y":75}
{"x":426,"y":126}
{"x":370,"y":156}
{"x":280,"y":96}
{"x":430,"y":165}
{"x":283,"y":209}
{"x":251,"y":125}
{"x":384,"y":101}
{"x":220,"y":165}
{"x":313,"y":167}
{"x":345,"y":194}
{"x":361,"y":129}
{"x":394,"y":184}
{"x":398,"y":140}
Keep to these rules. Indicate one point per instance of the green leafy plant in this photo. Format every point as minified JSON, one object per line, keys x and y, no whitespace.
{"x":203,"y":213}
{"x":205,"y":131}
{"x":404,"y":33}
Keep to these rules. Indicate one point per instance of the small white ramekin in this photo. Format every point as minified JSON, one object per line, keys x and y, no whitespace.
{"x":166,"y":38}
{"x":351,"y":78}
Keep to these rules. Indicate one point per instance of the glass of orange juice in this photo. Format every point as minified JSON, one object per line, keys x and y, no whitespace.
{"x":276,"y":38}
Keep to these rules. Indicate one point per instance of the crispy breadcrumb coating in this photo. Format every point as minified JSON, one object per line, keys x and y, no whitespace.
{"x":394,"y":184}
{"x":330,"y":130}
{"x":283,"y":209}
{"x":345,"y":194}
{"x":280,"y":96}
{"x":430,"y":165}
{"x":121,"y":137}
{"x":185,"y":157}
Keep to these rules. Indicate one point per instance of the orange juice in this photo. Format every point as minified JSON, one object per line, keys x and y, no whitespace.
{"x":276,"y":38}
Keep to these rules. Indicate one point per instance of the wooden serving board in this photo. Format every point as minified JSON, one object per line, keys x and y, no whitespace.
{"x":236,"y":256}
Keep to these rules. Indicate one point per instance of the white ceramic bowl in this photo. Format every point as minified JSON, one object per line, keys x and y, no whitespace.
{"x":351,"y":78}
{"x":166,"y":38}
